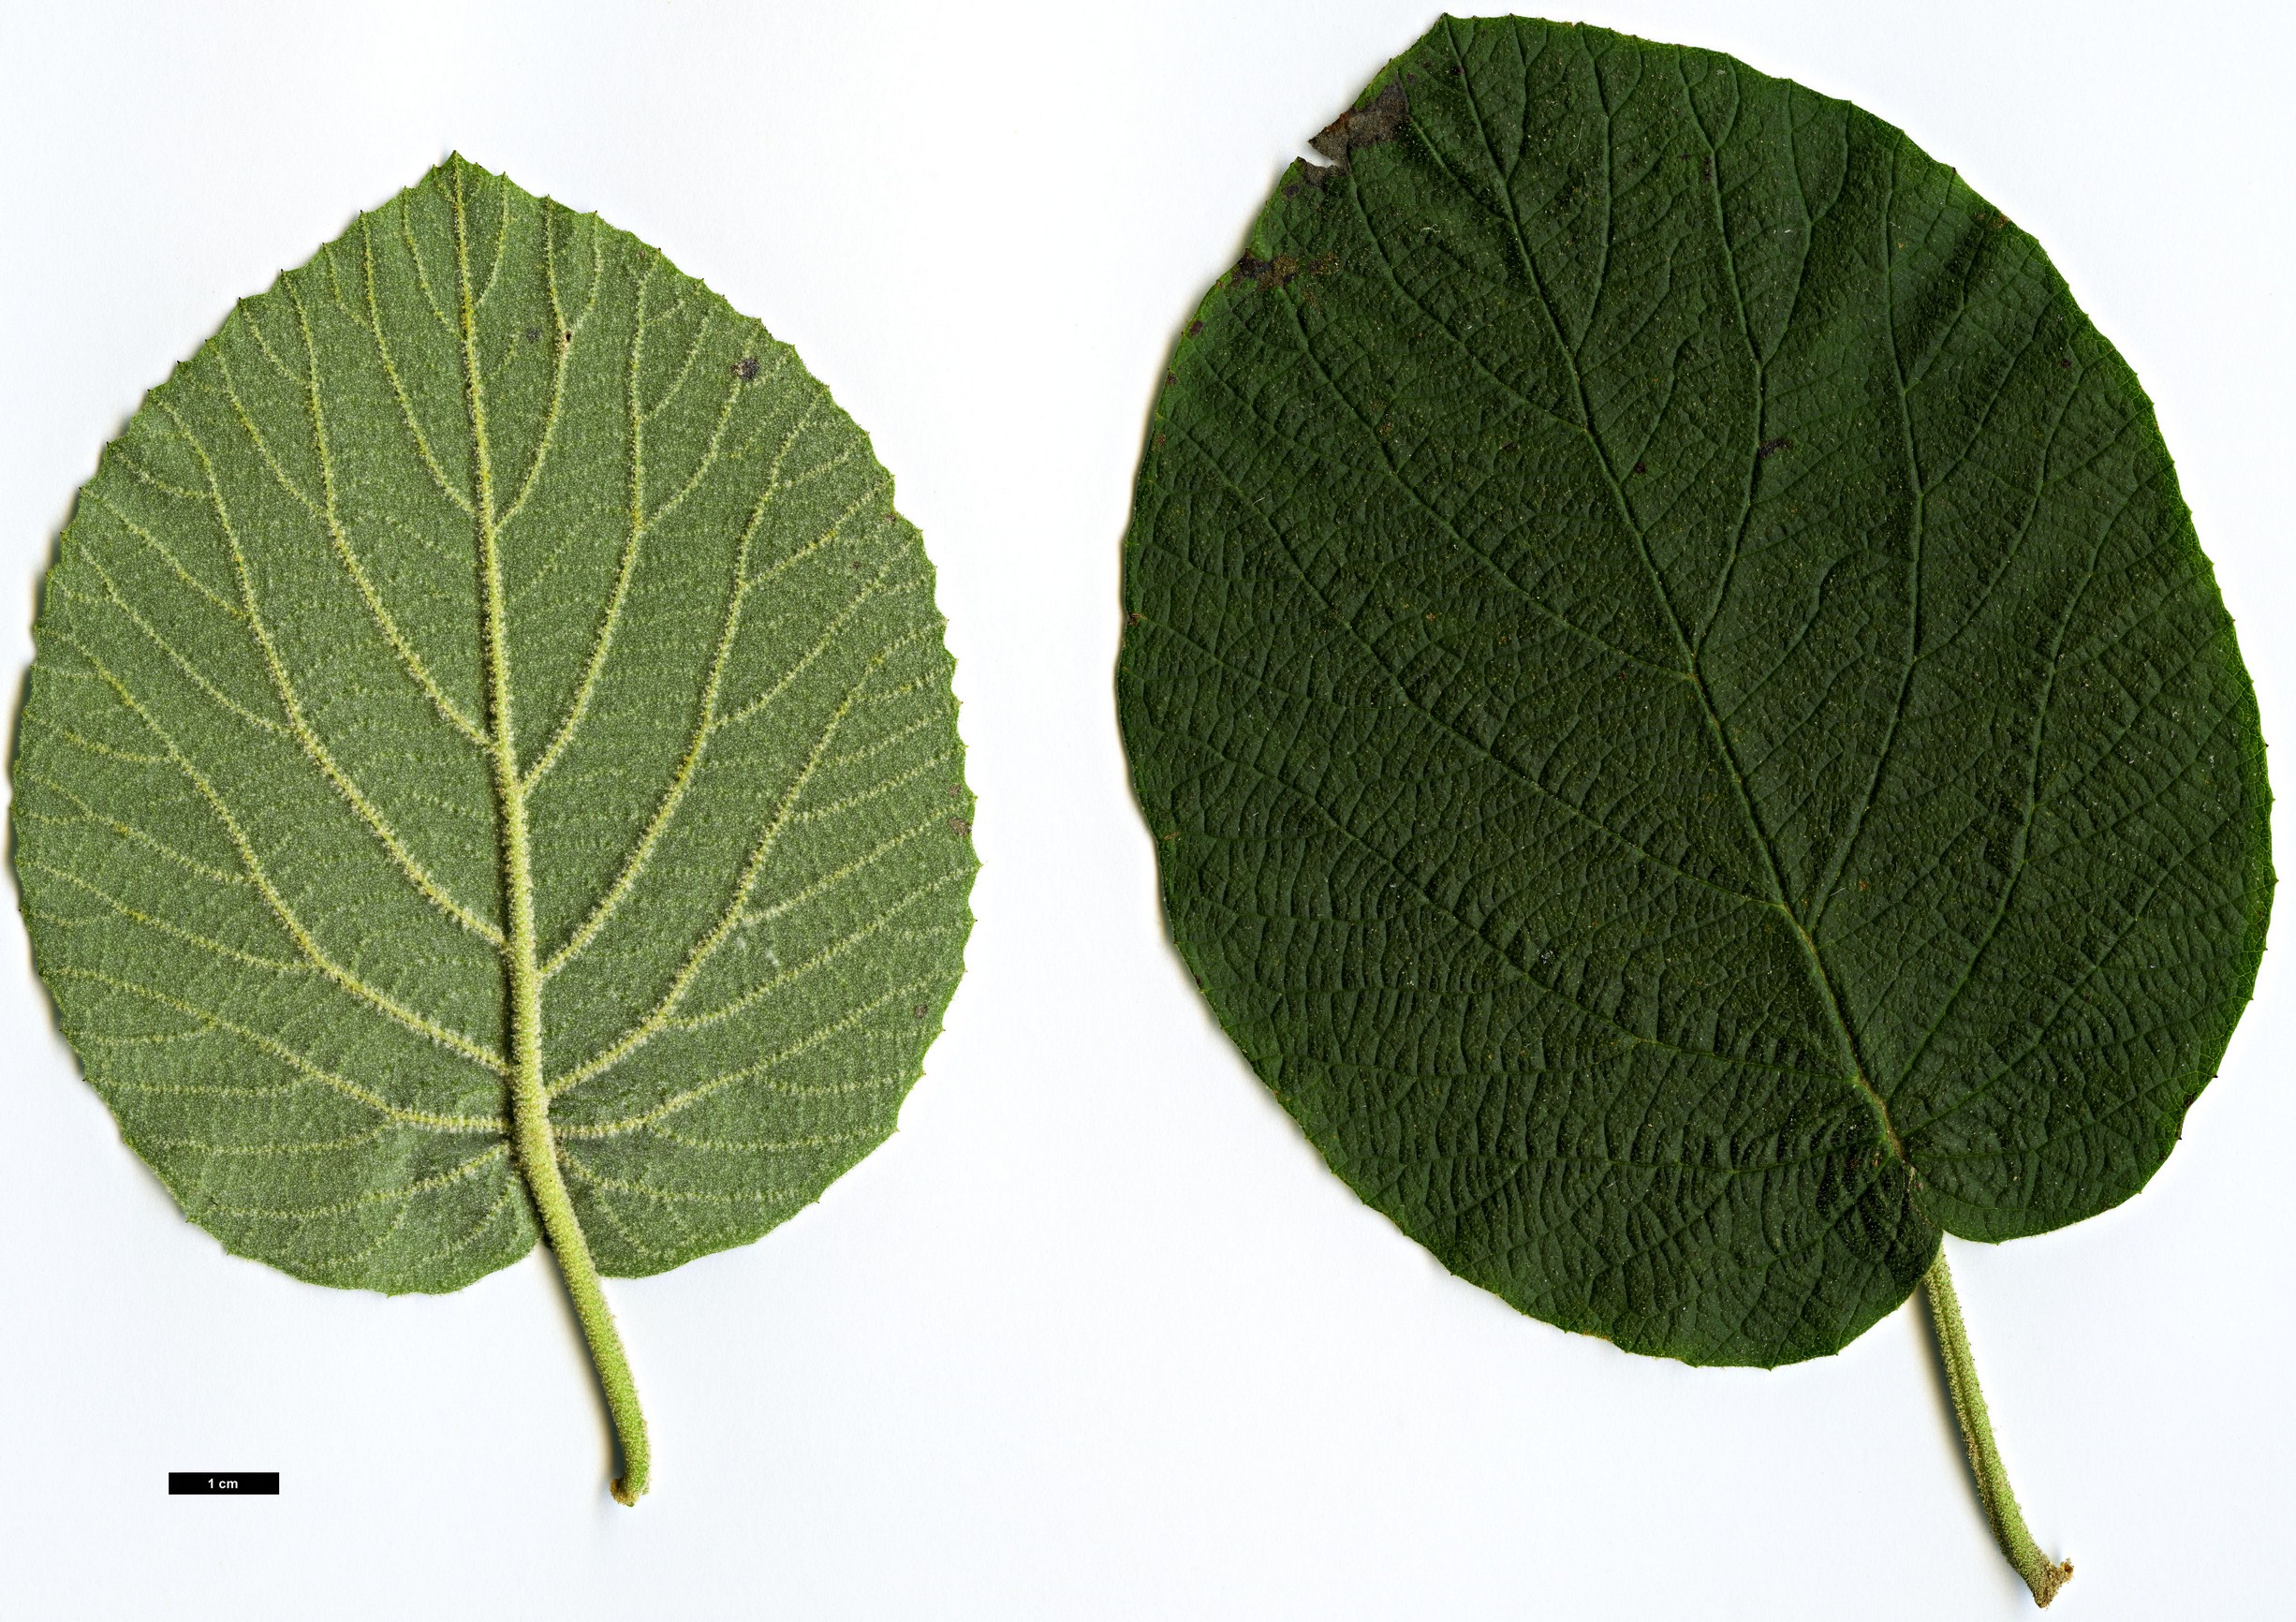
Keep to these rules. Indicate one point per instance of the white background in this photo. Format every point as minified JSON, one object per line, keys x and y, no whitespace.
{"x":1096,"y":1334}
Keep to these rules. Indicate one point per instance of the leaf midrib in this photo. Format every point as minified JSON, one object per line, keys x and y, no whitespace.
{"x":1772,"y":867}
{"x":529,"y":1102}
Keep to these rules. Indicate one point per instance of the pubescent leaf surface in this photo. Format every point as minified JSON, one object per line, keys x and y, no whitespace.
{"x":490,"y":605}
{"x":1690,"y":739}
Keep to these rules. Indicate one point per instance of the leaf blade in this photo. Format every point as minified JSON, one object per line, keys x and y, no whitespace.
{"x":1567,"y":571}
{"x":258,"y":835}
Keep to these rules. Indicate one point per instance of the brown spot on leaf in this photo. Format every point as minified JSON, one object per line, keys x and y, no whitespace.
{"x":1380,"y":119}
{"x":1640,"y":469}
{"x":1271,"y":272}
{"x":956,"y":791}
{"x":1194,"y":328}
{"x":1279,"y":271}
{"x":533,"y":334}
{"x":745,"y":368}
{"x":960,"y":825}
{"x":1770,"y":447}
{"x":922,"y":1010}
{"x":1157,"y":442}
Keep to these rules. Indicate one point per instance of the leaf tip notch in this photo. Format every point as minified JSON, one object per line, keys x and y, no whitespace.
{"x":1379,"y":119}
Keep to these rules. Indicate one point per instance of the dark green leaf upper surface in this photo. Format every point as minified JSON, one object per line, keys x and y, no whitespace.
{"x":258,"y":824}
{"x":1689,"y":736}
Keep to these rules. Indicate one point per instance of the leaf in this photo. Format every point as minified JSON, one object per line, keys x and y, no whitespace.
{"x":490,"y":760}
{"x":1691,"y":741}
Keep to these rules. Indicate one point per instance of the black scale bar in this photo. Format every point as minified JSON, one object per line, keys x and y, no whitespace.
{"x":223,"y":1482}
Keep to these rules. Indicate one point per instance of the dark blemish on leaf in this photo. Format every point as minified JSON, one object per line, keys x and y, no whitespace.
{"x":1171,"y":378}
{"x":961,"y":825}
{"x":1292,"y":190}
{"x":747,"y":368}
{"x":921,"y":1011}
{"x":1382,"y":119}
{"x":1271,"y":272}
{"x":1640,"y":469}
{"x":956,"y":791}
{"x":1770,"y":447}
{"x":1279,"y":271}
{"x":2065,"y":365}
{"x":1194,"y":328}
{"x":1706,"y":170}
{"x":1157,"y":442}
{"x":1454,"y":70}
{"x":533,"y":334}
{"x":1134,"y":617}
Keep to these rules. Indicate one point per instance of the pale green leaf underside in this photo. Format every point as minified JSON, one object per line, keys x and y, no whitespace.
{"x":1691,"y":737}
{"x":258,"y":836}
